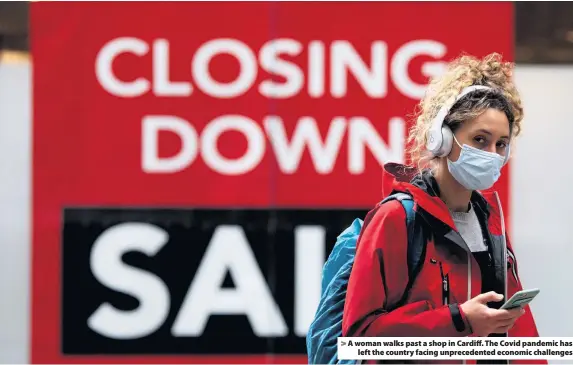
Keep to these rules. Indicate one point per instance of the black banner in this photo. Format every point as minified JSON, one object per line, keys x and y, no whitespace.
{"x":196,"y":281}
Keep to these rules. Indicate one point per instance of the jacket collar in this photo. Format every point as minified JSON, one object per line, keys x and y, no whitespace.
{"x":424,"y":189}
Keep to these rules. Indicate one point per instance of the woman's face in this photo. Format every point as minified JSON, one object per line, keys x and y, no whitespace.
{"x":488,"y":132}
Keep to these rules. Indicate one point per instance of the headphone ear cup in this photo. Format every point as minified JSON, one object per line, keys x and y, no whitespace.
{"x":434,"y":141}
{"x":447,"y":142}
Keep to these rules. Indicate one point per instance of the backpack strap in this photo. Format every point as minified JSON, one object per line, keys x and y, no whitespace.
{"x":407,"y":203}
{"x":416,"y":250}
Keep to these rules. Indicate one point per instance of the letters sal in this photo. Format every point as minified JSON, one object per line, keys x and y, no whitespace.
{"x":228,"y":251}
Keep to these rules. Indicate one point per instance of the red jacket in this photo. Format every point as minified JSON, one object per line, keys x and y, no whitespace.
{"x":374,"y":305}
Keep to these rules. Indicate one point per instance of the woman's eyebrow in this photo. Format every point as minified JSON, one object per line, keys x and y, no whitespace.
{"x":485,"y":131}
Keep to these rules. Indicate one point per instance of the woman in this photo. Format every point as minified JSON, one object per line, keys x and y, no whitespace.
{"x":459,"y":143}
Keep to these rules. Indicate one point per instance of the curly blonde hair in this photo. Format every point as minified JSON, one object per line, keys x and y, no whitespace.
{"x":464,"y":71}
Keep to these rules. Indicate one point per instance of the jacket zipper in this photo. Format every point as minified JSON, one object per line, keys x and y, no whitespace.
{"x":445,"y":286}
{"x":469,"y":286}
{"x":469,"y":276}
{"x":505,"y":252}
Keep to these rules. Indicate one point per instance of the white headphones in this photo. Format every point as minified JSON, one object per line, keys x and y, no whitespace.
{"x":440,"y":136}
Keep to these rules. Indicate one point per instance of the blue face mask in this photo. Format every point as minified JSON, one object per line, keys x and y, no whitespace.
{"x":476,"y":169}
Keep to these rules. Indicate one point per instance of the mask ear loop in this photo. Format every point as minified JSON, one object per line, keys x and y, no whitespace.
{"x":459,"y":145}
{"x":456,"y":140}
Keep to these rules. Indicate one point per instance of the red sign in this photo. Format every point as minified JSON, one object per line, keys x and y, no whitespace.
{"x":228,"y":105}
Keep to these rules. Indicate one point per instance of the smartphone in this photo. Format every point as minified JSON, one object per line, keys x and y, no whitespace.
{"x":520,"y":299}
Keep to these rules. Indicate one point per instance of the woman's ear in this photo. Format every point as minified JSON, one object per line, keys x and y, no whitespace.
{"x":455,"y":152}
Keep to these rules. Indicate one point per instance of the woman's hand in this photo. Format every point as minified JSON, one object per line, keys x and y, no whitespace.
{"x":484,"y":320}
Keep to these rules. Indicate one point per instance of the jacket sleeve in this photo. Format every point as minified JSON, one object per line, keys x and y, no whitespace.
{"x":524,"y":326}
{"x":378,"y":279}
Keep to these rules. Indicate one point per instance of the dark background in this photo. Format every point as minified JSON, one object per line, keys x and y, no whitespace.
{"x":270,"y":234}
{"x":543,"y":30}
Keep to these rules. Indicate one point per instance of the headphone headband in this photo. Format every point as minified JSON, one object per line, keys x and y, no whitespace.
{"x":438,"y":121}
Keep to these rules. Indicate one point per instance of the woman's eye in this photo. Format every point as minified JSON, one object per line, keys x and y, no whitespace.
{"x":480,"y":140}
{"x":501,"y":144}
